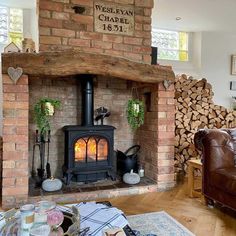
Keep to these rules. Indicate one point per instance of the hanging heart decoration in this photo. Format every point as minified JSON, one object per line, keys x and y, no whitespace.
{"x":15,"y":73}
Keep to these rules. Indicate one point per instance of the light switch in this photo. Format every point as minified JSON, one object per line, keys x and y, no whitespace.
{"x":232,"y":85}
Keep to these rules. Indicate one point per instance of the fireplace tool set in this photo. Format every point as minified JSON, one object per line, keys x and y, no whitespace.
{"x":41,"y":141}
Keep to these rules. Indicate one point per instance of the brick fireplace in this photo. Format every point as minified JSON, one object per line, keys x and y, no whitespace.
{"x":69,"y":47}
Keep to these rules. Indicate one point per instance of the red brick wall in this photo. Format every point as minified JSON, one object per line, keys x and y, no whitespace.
{"x":109,"y":92}
{"x":67,"y":90}
{"x":60,"y":28}
{"x":156,"y":136}
{"x":15,"y":141}
{"x":166,"y":136}
{"x":114,"y":94}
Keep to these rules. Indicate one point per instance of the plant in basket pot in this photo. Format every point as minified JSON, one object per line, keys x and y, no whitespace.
{"x":43,"y":111}
{"x":135,"y":113}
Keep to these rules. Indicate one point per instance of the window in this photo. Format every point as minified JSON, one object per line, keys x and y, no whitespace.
{"x":3,"y":25}
{"x":16,"y":26}
{"x":11,"y":25}
{"x":172,"y":45}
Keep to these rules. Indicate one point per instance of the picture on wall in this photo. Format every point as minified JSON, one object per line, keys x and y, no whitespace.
{"x":233,"y":65}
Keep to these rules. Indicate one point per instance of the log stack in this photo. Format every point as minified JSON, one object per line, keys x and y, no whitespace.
{"x":195,"y":110}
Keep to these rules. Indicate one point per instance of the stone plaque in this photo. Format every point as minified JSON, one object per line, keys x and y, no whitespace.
{"x":113,"y":18}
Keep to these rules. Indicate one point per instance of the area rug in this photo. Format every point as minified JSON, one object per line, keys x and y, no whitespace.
{"x":157,"y":223}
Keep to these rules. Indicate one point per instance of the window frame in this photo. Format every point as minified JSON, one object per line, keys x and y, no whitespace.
{"x":8,"y":12}
{"x":189,"y":46}
{"x":11,"y":32}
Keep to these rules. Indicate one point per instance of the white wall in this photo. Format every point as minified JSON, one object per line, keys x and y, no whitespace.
{"x":217,"y":49}
{"x":30,"y":25}
{"x":210,"y":58}
{"x":191,"y":67}
{"x":19,"y":3}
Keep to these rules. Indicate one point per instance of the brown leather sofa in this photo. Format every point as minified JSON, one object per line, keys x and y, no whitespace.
{"x":218,"y":148}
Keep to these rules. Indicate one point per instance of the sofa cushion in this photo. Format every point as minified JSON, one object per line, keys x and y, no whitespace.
{"x":225,"y":179}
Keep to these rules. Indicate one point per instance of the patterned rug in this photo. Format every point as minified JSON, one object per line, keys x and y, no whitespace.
{"x":157,"y":223}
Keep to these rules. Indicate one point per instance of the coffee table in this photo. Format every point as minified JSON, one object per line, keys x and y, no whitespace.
{"x":94,"y":216}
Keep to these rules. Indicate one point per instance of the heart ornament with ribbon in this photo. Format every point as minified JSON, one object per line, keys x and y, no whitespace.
{"x":15,"y":73}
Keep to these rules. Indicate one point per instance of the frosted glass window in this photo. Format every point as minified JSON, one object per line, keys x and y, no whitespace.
{"x":16,"y":20}
{"x":3,"y":25}
{"x":172,"y":45}
{"x":11,"y":25}
{"x":16,"y":26}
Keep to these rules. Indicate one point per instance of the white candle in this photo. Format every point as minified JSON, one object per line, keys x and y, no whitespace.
{"x":141,"y":172}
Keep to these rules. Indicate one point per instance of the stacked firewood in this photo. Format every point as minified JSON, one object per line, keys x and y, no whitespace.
{"x":195,"y":110}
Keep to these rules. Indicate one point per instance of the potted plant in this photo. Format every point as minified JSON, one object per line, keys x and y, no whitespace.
{"x":43,"y":109}
{"x":135,"y":113}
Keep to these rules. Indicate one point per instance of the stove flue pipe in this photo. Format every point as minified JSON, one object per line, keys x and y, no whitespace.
{"x":87,"y":100}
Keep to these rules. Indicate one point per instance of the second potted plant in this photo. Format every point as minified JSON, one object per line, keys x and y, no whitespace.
{"x":135,"y":113}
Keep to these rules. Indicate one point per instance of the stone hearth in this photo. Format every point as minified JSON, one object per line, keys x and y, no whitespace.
{"x":101,"y":189}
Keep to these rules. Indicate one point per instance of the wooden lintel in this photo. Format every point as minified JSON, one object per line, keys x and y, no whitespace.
{"x":67,"y":63}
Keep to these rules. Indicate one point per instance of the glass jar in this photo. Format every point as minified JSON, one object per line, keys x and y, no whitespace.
{"x":141,"y":172}
{"x":27,"y":216}
{"x":41,"y":211}
{"x":40,"y":230}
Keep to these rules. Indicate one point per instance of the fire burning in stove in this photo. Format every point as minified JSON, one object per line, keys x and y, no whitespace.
{"x":91,"y":157}
{"x":91,"y":149}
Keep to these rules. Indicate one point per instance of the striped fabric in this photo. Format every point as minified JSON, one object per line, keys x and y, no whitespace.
{"x":98,"y":217}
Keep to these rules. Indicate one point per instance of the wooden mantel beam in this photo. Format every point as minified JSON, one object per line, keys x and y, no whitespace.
{"x":66,"y":63}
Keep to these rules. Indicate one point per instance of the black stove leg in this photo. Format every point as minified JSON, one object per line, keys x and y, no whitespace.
{"x":112,"y":175}
{"x":68,"y":178}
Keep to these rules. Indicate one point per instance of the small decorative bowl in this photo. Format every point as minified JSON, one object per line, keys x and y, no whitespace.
{"x":55,"y":218}
{"x":51,"y":185}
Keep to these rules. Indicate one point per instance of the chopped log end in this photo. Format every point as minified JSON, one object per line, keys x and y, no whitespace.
{"x":195,"y":110}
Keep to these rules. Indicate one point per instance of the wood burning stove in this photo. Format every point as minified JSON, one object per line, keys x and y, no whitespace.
{"x":89,"y":154}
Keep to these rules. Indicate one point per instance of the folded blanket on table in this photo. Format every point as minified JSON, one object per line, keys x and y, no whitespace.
{"x":98,"y":217}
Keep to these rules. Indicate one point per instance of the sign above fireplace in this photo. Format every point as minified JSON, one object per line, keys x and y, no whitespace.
{"x":113,"y":18}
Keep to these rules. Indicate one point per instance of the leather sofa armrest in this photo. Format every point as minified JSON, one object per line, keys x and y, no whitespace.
{"x":217,"y":148}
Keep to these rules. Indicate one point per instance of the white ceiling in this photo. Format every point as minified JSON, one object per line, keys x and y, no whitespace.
{"x":27,"y":4}
{"x":197,"y":15}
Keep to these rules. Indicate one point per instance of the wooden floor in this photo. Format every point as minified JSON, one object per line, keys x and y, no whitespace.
{"x":199,"y":219}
